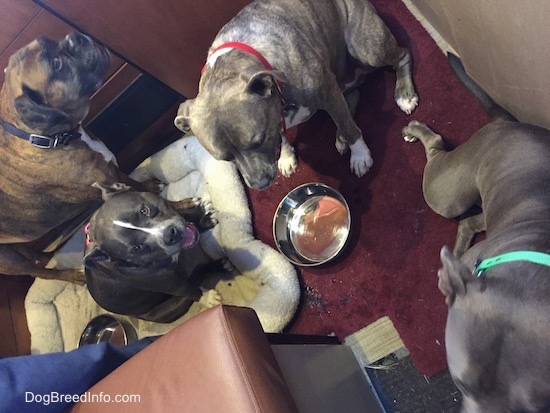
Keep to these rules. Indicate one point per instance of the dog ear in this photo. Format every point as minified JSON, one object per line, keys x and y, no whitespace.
{"x":35,"y":114}
{"x":94,"y":254}
{"x":182,"y":117}
{"x":108,"y":190}
{"x":262,"y":83}
{"x":453,"y":276}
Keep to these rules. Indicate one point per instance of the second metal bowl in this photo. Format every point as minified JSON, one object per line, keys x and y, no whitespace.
{"x":106,"y":328}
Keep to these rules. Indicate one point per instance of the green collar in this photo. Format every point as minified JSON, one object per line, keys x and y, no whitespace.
{"x":532,"y":256}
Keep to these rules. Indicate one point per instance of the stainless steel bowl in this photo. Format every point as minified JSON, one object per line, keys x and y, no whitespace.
{"x":106,"y":328}
{"x":312,"y":224}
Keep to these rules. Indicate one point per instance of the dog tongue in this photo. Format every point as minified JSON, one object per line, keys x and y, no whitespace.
{"x":190,"y":236}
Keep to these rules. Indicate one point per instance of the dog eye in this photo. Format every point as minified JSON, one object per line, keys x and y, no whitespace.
{"x":255,"y":143}
{"x":254,"y":146}
{"x":57,"y":63}
{"x":145,"y":210}
{"x":138,"y":248}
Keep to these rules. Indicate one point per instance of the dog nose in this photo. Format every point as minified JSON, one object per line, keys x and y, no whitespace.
{"x":172,"y":235}
{"x":260,"y":182}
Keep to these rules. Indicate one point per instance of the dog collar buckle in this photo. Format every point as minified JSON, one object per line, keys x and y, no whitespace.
{"x":43,"y":142}
{"x":48,"y":142}
{"x":535,"y":257}
{"x":477,"y":271}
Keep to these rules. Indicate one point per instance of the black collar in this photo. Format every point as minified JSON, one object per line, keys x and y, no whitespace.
{"x":40,"y":141}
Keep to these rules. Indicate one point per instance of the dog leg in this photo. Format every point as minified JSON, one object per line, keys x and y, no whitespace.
{"x":32,"y":255}
{"x":195,"y":210}
{"x":377,"y":48}
{"x":449,"y":182}
{"x":433,"y":143}
{"x":405,"y":95}
{"x":210,"y":298}
{"x":352,"y":98}
{"x":467,"y":229}
{"x":12,"y":262}
{"x":287,"y":162}
{"x":348,"y":133}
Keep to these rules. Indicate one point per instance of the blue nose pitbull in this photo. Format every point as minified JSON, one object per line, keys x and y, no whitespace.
{"x":143,"y":258}
{"x":498,"y":291}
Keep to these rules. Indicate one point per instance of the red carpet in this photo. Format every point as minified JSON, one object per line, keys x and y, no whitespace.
{"x":391,"y":261}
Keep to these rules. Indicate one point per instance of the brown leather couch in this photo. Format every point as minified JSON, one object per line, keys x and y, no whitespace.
{"x":221,"y":361}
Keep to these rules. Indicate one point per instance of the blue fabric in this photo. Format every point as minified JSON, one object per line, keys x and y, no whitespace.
{"x":46,"y":383}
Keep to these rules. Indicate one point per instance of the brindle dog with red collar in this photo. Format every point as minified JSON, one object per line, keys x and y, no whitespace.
{"x":47,"y":163}
{"x":296,"y":56}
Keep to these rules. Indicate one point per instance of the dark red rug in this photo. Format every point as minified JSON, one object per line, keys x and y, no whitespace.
{"x":391,"y":261}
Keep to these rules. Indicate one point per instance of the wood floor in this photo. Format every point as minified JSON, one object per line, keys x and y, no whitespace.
{"x":14,"y":334}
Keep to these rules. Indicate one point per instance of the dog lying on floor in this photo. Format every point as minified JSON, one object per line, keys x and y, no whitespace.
{"x":142,"y":256}
{"x":274,"y":65}
{"x":48,"y":163}
{"x":498,"y":291}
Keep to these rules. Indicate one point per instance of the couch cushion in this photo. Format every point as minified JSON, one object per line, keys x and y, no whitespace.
{"x":218,"y":361}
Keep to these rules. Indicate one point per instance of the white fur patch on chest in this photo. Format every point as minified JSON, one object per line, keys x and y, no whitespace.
{"x":156,"y":231}
{"x":295,"y":116}
{"x":97,"y":146}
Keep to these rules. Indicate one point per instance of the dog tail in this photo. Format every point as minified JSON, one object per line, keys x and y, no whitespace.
{"x":490,"y":107}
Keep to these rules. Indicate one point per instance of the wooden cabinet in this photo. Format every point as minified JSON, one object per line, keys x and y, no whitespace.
{"x":168,"y":39}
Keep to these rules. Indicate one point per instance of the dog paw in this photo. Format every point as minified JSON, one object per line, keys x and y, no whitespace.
{"x":210,"y":298}
{"x":360,"y":160}
{"x":413,"y":130}
{"x":410,"y":138}
{"x":154,"y":185}
{"x":209,"y":219}
{"x":287,"y":163}
{"x":407,"y":105}
{"x":341,"y":145}
{"x":187,"y":203}
{"x":207,"y":206}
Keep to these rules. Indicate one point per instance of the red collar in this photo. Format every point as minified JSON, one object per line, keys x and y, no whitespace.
{"x":248,"y":49}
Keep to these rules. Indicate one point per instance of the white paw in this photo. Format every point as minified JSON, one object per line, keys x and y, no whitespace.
{"x":210,"y":298}
{"x":407,"y":105}
{"x":360,"y":160}
{"x":196,"y":200}
{"x":287,"y":162}
{"x":208,"y":207}
{"x":410,"y":138}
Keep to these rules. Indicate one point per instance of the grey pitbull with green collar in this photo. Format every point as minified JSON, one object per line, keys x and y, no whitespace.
{"x":274,"y":65}
{"x":498,"y":291}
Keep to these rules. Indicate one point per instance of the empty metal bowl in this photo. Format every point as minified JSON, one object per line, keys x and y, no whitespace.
{"x":312,"y":224}
{"x":106,"y":328}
